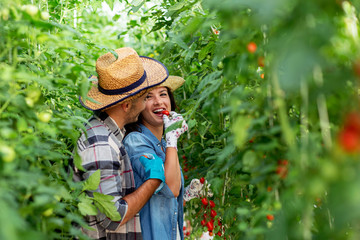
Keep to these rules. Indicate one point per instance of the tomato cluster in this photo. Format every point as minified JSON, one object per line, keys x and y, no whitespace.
{"x":210,"y":220}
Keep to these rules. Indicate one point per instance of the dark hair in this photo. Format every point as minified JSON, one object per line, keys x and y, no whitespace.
{"x":135,"y":126}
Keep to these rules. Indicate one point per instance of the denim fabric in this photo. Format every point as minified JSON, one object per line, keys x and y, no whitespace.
{"x":163,"y":213}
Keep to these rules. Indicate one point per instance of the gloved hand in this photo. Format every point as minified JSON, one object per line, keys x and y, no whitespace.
{"x":154,"y":167}
{"x":173,"y":135}
{"x":193,"y":190}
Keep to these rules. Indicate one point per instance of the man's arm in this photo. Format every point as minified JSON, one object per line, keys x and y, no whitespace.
{"x":139,"y":198}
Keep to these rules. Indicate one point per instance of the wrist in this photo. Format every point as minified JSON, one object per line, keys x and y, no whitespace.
{"x":171,"y":147}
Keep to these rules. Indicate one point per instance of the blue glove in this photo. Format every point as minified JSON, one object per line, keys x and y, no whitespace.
{"x":154,"y":167}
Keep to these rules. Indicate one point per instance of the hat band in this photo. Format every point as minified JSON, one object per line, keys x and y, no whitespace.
{"x":124,"y":89}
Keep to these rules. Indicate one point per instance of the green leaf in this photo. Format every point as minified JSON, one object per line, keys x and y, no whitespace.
{"x":115,"y":54}
{"x":191,"y":123}
{"x":86,"y":207}
{"x":205,"y":51}
{"x":92,"y":183}
{"x":176,"y":6}
{"x":105,"y":204}
{"x":137,"y":4}
{"x":173,"y":126}
{"x":78,"y":161}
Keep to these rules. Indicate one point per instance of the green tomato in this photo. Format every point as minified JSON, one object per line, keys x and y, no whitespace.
{"x":45,"y":116}
{"x":45,"y":16}
{"x":7,"y":153}
{"x":32,"y":10}
{"x":29,"y":102}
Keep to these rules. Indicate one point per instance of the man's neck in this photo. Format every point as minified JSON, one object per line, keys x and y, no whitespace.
{"x":118,"y":116}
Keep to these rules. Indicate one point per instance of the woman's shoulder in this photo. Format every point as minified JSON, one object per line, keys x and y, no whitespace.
{"x":136,"y":137}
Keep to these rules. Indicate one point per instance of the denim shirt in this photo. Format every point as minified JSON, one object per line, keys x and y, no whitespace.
{"x":163,"y":213}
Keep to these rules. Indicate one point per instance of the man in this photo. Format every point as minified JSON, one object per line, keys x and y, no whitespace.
{"x":117,"y":99}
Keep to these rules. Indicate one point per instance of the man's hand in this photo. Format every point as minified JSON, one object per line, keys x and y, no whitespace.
{"x":172,"y":136}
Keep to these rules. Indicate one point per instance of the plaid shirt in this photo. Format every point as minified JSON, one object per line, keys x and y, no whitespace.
{"x":101,"y":148}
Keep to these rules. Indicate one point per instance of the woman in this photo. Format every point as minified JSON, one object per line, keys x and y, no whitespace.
{"x":162,"y":216}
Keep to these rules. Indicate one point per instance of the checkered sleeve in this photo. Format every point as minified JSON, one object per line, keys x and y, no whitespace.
{"x":100,"y":151}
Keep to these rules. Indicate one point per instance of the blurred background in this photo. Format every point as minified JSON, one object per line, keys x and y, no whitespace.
{"x":271,"y":98}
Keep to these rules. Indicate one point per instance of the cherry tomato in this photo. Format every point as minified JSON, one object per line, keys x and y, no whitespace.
{"x":349,"y":140}
{"x":282,"y":171}
{"x":210,"y":226}
{"x":212,"y":204}
{"x":213,"y":213}
{"x":204,"y":201}
{"x":270,"y":217}
{"x":202,"y":180}
{"x":203,"y":222}
{"x":165,"y":112}
{"x":251,"y":47}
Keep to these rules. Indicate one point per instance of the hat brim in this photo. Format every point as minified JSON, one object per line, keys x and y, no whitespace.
{"x":173,"y":82}
{"x":156,"y":73}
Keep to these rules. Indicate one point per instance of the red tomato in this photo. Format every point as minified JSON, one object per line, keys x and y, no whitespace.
{"x":212,"y":204}
{"x":270,"y":217}
{"x":219,"y":233}
{"x":210,"y":226}
{"x":203,"y":222}
{"x":349,"y":140}
{"x":202,"y":180}
{"x":213,"y":213}
{"x":204,"y":201}
{"x":165,"y":112}
{"x":282,"y":171}
{"x":283,"y":162}
{"x":251,"y":47}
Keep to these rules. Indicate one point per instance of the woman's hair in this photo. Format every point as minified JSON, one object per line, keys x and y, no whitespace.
{"x":131,"y":127}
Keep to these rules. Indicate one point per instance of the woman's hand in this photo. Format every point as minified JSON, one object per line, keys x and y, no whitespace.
{"x":173,"y":135}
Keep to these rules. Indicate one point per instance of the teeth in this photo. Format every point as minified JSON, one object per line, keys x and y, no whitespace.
{"x":158,"y":110}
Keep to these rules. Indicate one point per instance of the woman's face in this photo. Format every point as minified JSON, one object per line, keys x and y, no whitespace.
{"x":157,"y":101}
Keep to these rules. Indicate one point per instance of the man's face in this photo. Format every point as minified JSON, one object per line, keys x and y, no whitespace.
{"x":137,"y":106}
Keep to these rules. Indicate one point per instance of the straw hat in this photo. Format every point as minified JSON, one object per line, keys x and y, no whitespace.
{"x":122,"y":78}
{"x":173,"y":82}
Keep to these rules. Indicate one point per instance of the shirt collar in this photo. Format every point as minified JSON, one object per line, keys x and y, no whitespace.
{"x":148,"y":133}
{"x":111,"y":124}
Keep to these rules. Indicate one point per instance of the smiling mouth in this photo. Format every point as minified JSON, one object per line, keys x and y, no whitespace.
{"x":158,"y":112}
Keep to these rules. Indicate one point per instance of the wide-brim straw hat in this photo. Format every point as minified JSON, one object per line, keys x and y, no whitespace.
{"x":122,"y":77}
{"x":173,"y":82}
